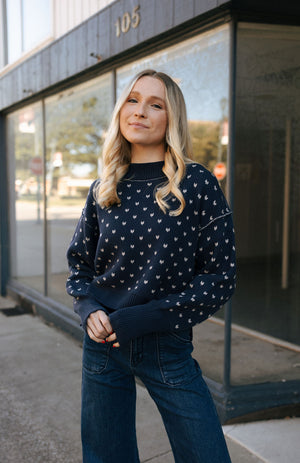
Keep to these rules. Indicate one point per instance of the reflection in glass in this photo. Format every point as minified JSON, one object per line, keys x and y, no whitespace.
{"x":25,"y":156}
{"x":76,"y":121}
{"x":28,"y":24}
{"x":201,"y":67}
{"x":267,"y":186}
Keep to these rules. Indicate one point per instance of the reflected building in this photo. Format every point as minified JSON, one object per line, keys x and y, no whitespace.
{"x":238,"y":67}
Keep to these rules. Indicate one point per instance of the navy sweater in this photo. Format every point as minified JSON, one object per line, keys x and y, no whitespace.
{"x":152,"y":272}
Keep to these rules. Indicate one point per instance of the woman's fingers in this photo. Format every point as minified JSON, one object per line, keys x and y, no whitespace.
{"x":99,"y":329}
{"x":93,"y":337}
{"x":96,"y":326}
{"x":105,"y":322}
{"x":111,"y":338}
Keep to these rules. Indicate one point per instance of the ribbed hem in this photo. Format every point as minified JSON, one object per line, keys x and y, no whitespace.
{"x":145,"y":171}
{"x":131,"y":322}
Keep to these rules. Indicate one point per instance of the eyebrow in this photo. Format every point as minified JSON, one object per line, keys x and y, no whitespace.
{"x":135,"y":92}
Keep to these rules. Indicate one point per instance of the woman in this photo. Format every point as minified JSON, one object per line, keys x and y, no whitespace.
{"x":153,"y":254}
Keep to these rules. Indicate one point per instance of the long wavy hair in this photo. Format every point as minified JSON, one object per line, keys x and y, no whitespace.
{"x":178,"y":149}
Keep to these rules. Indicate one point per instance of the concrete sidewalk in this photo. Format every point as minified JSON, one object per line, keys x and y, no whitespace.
{"x":40,"y":406}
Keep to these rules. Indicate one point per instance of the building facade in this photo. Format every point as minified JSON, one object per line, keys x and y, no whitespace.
{"x":238,"y":65}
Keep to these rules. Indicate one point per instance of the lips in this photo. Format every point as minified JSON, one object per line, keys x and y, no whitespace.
{"x":138,"y":125}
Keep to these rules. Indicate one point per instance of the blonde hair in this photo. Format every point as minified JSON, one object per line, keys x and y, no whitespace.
{"x":116,"y":149}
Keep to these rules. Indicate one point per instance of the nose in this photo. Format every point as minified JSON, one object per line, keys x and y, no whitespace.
{"x":140,"y":110}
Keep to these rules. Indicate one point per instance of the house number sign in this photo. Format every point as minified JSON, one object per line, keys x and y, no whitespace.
{"x":128,"y":21}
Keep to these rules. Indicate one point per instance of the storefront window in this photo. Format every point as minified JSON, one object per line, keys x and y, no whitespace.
{"x":267,"y":180}
{"x":25,"y":154}
{"x":76,"y":121}
{"x":201,"y":67}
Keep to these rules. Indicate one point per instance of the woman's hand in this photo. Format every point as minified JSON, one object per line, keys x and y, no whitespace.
{"x":99,"y":329}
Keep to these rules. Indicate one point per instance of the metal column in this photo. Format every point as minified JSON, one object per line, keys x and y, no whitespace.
{"x":4,"y":233}
{"x":230,"y":188}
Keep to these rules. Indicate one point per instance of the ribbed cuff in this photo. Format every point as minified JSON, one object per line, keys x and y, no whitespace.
{"x":132,"y":322}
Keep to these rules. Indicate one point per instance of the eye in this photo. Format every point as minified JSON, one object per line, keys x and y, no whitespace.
{"x":132,"y":100}
{"x":157,"y":106}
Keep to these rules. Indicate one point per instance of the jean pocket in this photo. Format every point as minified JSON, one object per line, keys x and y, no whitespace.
{"x":95,"y":355}
{"x":176,"y":363}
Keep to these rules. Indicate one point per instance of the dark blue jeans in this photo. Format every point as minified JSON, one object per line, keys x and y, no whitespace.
{"x":172,"y":377}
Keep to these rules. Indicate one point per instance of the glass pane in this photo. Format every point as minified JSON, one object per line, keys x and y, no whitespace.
{"x":201,"y":67}
{"x":37,"y":22}
{"x":76,"y":121}
{"x":267,"y":181}
{"x":14,"y":30}
{"x":25,"y":146}
{"x":28,"y":23}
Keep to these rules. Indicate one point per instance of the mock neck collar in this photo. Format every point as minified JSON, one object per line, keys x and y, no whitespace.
{"x":145,"y":171}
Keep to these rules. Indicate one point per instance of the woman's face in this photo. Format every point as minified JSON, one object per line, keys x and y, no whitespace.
{"x":143,"y":117}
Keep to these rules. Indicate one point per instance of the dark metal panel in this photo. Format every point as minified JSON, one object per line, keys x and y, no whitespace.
{"x":7,"y":90}
{"x":202,"y":6}
{"x":62,"y":59}
{"x":163,"y":16}
{"x":27,"y":90}
{"x":3,"y":93}
{"x":131,"y":23}
{"x":183,"y":11}
{"x":54,"y":53}
{"x":116,"y":43}
{"x":103,"y":34}
{"x":33,"y":73}
{"x":45,"y":67}
{"x":128,"y":15}
{"x":71,"y":56}
{"x":38,"y":68}
{"x":146,"y":26}
{"x":79,"y":48}
{"x":267,"y":6}
{"x":26,"y":80}
{"x":92,"y":42}
{"x":17,"y":79}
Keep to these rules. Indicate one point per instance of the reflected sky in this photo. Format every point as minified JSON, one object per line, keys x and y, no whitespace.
{"x":35,"y":27}
{"x":199,"y":65}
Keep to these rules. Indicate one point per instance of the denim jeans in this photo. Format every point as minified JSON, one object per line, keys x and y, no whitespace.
{"x":172,"y":377}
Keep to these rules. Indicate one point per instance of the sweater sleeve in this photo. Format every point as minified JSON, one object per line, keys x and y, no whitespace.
{"x":81,"y":255}
{"x":211,"y":287}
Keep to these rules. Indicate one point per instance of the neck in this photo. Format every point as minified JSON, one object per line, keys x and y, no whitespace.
{"x":143,"y":154}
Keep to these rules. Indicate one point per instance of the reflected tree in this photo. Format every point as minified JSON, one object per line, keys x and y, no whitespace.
{"x":75,"y":128}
